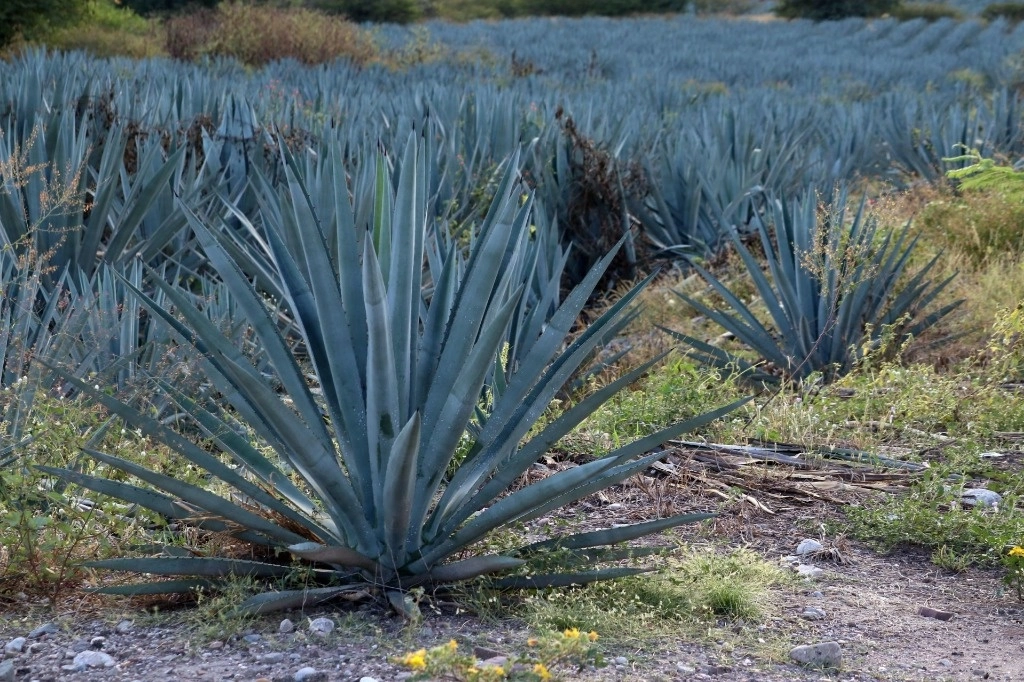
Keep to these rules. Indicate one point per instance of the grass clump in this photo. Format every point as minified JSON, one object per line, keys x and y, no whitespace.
{"x":1011,"y":11}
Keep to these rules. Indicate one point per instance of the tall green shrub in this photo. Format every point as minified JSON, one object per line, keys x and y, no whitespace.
{"x":29,"y":18}
{"x":823,"y":10}
{"x":378,"y":11}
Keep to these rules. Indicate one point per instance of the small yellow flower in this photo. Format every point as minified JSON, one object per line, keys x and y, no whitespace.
{"x":498,"y":670}
{"x":532,"y":642}
{"x":416,"y":660}
{"x":1017,"y":551}
{"x":541,"y":671}
{"x":452,"y":645}
{"x":572,"y":633}
{"x":592,"y":636}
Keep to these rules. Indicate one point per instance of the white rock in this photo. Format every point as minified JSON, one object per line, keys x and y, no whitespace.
{"x":367,"y":679}
{"x":124,"y":627}
{"x":808,"y":571}
{"x":980,"y":497}
{"x":808,"y":546}
{"x":321,"y":626}
{"x":92,"y":659}
{"x":308,"y":674}
{"x":15,"y":646}
{"x":823,"y":655}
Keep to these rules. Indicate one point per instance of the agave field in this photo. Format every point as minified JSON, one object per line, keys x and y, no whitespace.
{"x":349,"y":296}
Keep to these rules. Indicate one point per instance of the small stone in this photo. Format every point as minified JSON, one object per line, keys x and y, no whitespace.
{"x":124,"y":627}
{"x":92,"y":659}
{"x":808,"y":571}
{"x":482,"y":653}
{"x":286,"y":626}
{"x":46,"y":629}
{"x":808,"y":546}
{"x":97,"y":642}
{"x":817,"y":595}
{"x":308,"y":674}
{"x":929,"y":612}
{"x":321,"y":626}
{"x":977,"y":672}
{"x":811,"y":613}
{"x":79,"y":645}
{"x":6,"y":671}
{"x":946,"y":663}
{"x":980,"y":497}
{"x":367,"y":679}
{"x":621,"y":660}
{"x":272,"y":657}
{"x":215,"y":644}
{"x":614,"y":506}
{"x":252,"y":638}
{"x":685,"y":669}
{"x":400,"y":677}
{"x":823,"y":655}
{"x":15,"y":646}
{"x":496,"y":662}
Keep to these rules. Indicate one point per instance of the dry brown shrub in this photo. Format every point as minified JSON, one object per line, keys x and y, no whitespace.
{"x":256,"y":35}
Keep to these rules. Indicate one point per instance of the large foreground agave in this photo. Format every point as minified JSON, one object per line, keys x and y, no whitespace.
{"x":359,"y":485}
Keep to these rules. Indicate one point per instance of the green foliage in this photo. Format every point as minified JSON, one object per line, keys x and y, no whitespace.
{"x":108,"y":30}
{"x":827,"y":10}
{"x":728,"y":7}
{"x":929,"y":11}
{"x":985,"y":219}
{"x":30,"y":19}
{"x":835,"y":290}
{"x":1011,"y":11}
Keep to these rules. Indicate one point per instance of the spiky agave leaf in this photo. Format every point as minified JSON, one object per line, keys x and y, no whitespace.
{"x":399,"y":375}
{"x":833,"y":288}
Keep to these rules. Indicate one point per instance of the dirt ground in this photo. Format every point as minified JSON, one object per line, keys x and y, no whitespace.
{"x":871,"y":606}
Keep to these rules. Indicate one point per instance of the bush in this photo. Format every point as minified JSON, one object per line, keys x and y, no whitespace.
{"x":607,"y":8}
{"x":1011,"y":11}
{"x":109,"y":31}
{"x":256,"y":35}
{"x":823,"y":10}
{"x":929,"y":11}
{"x":729,"y":7}
{"x":148,"y":7}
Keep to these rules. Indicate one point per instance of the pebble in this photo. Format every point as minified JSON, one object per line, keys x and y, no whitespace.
{"x":6,"y":671}
{"x":809,"y":571}
{"x":808,"y":546}
{"x":822,"y":655}
{"x":321,"y":626}
{"x":929,"y":612}
{"x":215,"y":644}
{"x":272,"y":657}
{"x":308,"y":674}
{"x":685,"y":669}
{"x":97,"y":642}
{"x":15,"y":646}
{"x":46,"y":629}
{"x":621,"y":660}
{"x":981,"y":497}
{"x":124,"y":627}
{"x":811,"y":613}
{"x":367,"y":679}
{"x":252,"y":638}
{"x":91,"y":659}
{"x":286,"y":626}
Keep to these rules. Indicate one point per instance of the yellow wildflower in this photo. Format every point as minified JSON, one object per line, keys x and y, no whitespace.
{"x":452,"y":645}
{"x":1017,"y":551}
{"x":592,"y":636}
{"x":416,"y":660}
{"x":498,"y":670}
{"x":541,"y":671}
{"x":572,"y":633}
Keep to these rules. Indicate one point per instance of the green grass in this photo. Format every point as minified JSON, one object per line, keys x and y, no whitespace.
{"x":697,"y":591}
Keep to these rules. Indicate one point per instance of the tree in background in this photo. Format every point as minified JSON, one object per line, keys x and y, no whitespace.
{"x":380,"y":11}
{"x":823,"y":10}
{"x":146,"y":7}
{"x":30,"y":18}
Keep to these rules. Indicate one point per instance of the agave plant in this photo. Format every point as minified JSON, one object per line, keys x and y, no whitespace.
{"x":834,"y":288}
{"x":358,"y":485}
